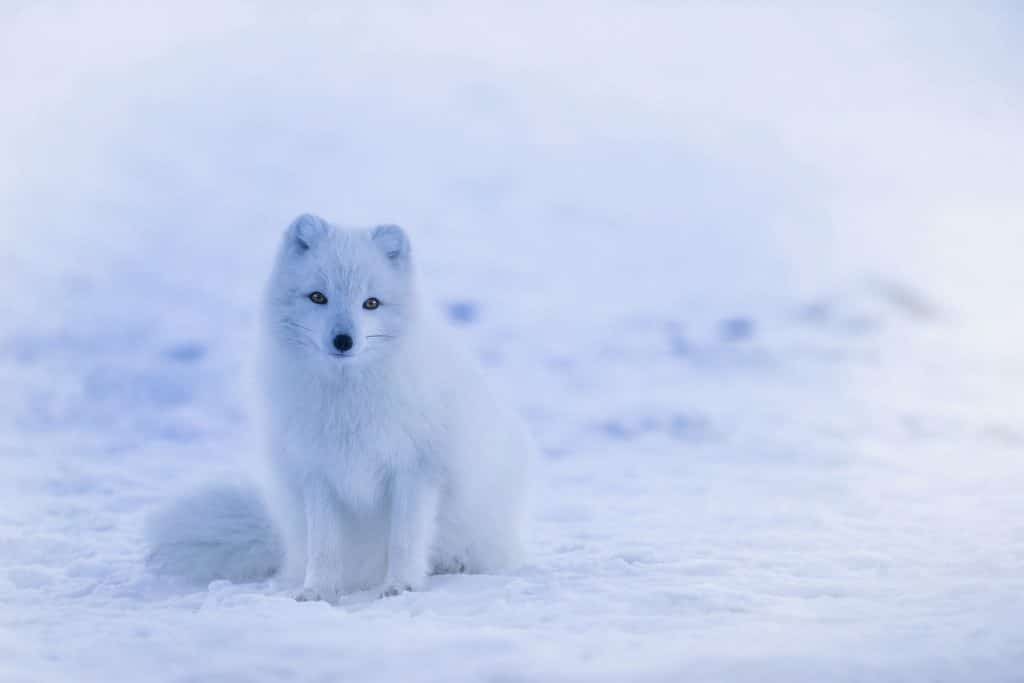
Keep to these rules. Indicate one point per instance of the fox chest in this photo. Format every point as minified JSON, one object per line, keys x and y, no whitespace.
{"x":359,"y":440}
{"x":360,"y":459}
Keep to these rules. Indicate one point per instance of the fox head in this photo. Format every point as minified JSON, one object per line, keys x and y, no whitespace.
{"x":340,"y":294}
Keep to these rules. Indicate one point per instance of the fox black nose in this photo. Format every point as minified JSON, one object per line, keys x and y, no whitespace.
{"x":343,"y":342}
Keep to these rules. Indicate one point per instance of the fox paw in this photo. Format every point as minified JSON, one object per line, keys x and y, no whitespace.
{"x":392,"y":589}
{"x":453,"y":565}
{"x":310,"y":594}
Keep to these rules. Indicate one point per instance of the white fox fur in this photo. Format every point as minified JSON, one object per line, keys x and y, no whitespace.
{"x":220,"y":532}
{"x":389,"y":460}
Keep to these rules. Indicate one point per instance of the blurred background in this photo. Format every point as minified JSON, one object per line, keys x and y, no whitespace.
{"x":748,"y":152}
{"x":750,"y":272}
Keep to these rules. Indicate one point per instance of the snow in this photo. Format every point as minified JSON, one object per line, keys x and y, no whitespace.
{"x":749,"y":274}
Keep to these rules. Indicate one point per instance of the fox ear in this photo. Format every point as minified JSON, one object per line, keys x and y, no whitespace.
{"x":393,"y":241}
{"x":305,"y":231}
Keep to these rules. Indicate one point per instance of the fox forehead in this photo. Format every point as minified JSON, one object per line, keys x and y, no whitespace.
{"x":338,"y":270}
{"x":344,"y":261}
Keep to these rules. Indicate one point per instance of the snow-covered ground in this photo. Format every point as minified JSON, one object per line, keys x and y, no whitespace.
{"x":751,"y":275}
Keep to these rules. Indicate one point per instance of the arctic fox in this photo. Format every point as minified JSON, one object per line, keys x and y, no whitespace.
{"x":388,"y":458}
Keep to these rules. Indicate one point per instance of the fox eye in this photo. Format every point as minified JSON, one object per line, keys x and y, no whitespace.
{"x":371,"y":303}
{"x":318,"y":298}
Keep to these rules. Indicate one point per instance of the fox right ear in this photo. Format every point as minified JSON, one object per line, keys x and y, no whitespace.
{"x":393,"y":241}
{"x":305,"y":231}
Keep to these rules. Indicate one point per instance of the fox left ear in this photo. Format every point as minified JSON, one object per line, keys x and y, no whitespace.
{"x":393,"y":241}
{"x":305,"y":231}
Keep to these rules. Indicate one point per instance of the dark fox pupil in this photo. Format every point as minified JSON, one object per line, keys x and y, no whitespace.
{"x":371,"y":303}
{"x":318,"y":298}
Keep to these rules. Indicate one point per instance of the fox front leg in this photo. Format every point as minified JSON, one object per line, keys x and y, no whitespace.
{"x":323,"y":579}
{"x":413,"y":506}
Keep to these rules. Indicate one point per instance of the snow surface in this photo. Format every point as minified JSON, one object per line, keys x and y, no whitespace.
{"x":751,"y":276}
